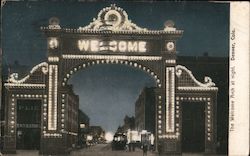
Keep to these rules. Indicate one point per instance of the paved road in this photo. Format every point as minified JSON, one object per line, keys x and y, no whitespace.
{"x":98,"y":150}
{"x":105,"y":150}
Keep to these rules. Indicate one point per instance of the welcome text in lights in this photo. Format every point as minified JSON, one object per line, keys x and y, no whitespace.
{"x":115,"y":46}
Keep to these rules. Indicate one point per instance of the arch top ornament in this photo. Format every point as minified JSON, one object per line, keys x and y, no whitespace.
{"x":116,"y":19}
{"x":112,"y":18}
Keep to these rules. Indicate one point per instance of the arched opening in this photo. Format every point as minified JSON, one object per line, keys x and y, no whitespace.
{"x":113,"y":97}
{"x":111,"y":61}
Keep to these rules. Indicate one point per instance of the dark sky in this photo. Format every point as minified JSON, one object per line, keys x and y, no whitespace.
{"x":205,"y":25}
{"x":108,"y":92}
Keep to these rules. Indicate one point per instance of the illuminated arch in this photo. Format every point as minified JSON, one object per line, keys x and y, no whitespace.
{"x":81,"y":66}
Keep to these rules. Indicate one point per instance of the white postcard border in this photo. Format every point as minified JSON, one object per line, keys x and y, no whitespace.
{"x":239,"y":79}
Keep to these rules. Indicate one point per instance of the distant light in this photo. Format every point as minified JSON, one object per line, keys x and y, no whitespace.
{"x":89,"y":137}
{"x":82,"y":125}
{"x":109,"y":136}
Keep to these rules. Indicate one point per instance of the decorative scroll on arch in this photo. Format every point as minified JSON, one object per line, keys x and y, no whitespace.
{"x":124,"y":62}
{"x":26,"y":81}
{"x":186,"y":80}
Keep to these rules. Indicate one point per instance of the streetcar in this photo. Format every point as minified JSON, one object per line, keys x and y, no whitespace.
{"x":119,"y":141}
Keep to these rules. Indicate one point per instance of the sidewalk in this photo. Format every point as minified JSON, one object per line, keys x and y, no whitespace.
{"x":24,"y":153}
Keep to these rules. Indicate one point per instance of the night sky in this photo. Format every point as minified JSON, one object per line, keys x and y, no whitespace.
{"x":108,"y":92}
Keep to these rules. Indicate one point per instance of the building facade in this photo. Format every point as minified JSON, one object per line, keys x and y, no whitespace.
{"x":83,"y":119}
{"x":107,"y":40}
{"x":128,"y":124}
{"x":97,"y":133}
{"x":145,"y":111}
{"x":83,"y":128}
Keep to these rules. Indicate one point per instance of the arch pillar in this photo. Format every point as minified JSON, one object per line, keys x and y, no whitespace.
{"x":62,"y":121}
{"x":168,"y":130}
{"x":9,"y":137}
{"x":52,"y":141}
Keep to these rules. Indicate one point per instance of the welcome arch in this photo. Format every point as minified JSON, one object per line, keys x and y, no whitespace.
{"x":110,"y":38}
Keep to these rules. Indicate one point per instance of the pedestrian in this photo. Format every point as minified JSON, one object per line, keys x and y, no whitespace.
{"x":145,"y":149}
{"x":126,"y":148}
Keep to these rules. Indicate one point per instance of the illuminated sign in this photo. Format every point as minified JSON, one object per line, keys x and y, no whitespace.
{"x":115,"y":46}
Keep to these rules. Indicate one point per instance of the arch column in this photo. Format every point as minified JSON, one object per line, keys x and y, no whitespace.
{"x":168,"y":135}
{"x":52,"y":141}
{"x":52,"y":97}
{"x":10,"y":124}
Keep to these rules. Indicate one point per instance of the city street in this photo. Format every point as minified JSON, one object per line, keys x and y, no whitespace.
{"x":105,"y":150}
{"x":99,"y":150}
